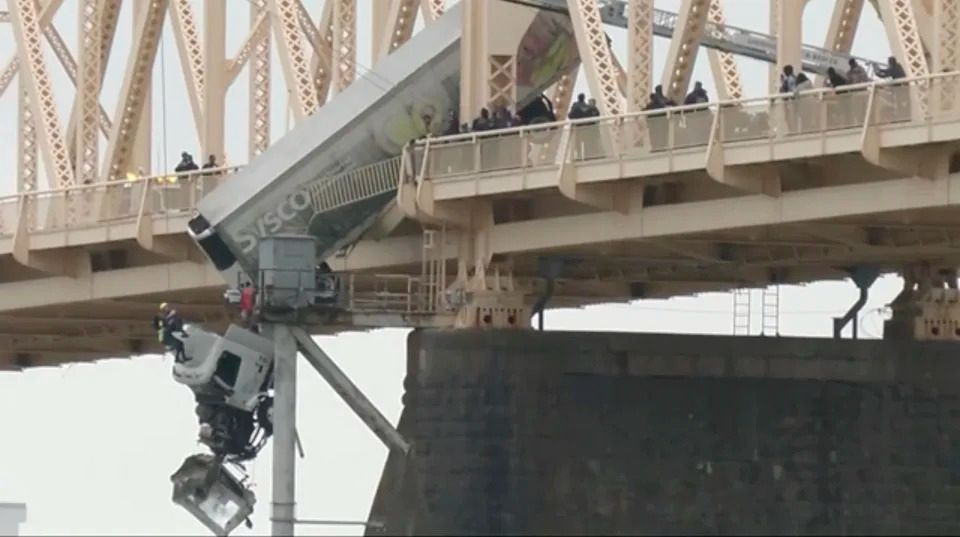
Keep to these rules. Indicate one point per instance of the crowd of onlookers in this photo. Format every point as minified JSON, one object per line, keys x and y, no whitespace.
{"x":790,"y":82}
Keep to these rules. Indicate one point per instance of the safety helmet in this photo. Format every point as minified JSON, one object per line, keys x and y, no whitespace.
{"x":163,"y":306}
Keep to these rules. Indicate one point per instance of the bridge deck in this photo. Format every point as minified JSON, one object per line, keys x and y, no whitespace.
{"x":658,"y":204}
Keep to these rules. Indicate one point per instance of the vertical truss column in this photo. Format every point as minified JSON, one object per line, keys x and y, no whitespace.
{"x":682,"y":54}
{"x":108,"y":16}
{"x":259,"y":118}
{"x":726,"y":71}
{"x":923,"y":13}
{"x":946,"y":51}
{"x":595,"y":55}
{"x":774,"y":23}
{"x":26,"y":141}
{"x":214,"y":77}
{"x":789,"y":35}
{"x":133,"y":93}
{"x":296,"y":72}
{"x":380,"y":19}
{"x":190,"y":49}
{"x":946,"y":46}
{"x":26,"y":26}
{"x":344,"y":43}
{"x":87,"y":100}
{"x":640,"y":53}
{"x":473,"y":58}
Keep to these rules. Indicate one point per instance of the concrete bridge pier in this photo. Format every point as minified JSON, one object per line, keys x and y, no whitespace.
{"x":523,"y":432}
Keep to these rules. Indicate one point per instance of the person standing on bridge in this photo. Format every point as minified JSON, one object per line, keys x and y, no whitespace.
{"x":247,"y":305}
{"x":900,"y":93}
{"x":210,"y":165}
{"x":857,"y":74}
{"x":186,"y":163}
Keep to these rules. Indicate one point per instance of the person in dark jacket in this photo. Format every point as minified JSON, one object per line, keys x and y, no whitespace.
{"x":186,"y":163}
{"x":697,"y":96}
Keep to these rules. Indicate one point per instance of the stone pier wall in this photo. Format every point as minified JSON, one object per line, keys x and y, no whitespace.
{"x":521,"y":432}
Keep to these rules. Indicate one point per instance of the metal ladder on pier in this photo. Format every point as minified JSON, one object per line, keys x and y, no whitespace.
{"x":769,"y":311}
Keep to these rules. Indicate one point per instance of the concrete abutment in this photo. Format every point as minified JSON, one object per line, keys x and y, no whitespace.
{"x":522,"y":432}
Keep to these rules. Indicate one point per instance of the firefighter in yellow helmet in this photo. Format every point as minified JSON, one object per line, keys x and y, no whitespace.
{"x":166,"y":324}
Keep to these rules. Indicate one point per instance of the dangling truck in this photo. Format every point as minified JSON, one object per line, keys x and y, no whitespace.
{"x":330,"y":178}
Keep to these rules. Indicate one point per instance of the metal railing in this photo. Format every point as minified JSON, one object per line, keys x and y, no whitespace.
{"x":100,"y":204}
{"x":692,"y":128}
{"x":329,"y":193}
{"x":348,"y":291}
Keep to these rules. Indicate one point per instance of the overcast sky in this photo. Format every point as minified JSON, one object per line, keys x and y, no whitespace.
{"x":90,"y":448}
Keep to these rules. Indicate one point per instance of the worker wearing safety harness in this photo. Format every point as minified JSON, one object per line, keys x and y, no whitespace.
{"x":166,"y":324}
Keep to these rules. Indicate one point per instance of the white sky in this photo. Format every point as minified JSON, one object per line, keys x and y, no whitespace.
{"x":90,"y":448}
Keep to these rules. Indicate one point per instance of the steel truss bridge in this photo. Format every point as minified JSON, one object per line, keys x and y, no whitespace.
{"x":744,"y":192}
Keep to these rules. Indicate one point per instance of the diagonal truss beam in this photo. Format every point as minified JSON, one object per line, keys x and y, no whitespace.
{"x":900,"y":23}
{"x":259,"y":32}
{"x":401,"y":15}
{"x":62,"y":52}
{"x":843,"y":25}
{"x":682,"y":54}
{"x":26,"y":25}
{"x":26,"y":143}
{"x":259,"y":119}
{"x":286,"y":26}
{"x":136,"y":82}
{"x":595,"y":55}
{"x":190,"y":48}
{"x":726,"y":71}
{"x":432,"y":9}
{"x":47,"y":12}
{"x":320,"y":38}
{"x":563,"y":92}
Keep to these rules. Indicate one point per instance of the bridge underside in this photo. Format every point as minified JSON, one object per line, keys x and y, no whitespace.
{"x":48,"y":320}
{"x":772,"y":208}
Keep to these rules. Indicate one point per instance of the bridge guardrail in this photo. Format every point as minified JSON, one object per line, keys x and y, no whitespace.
{"x":810,"y":112}
{"x":103,"y":203}
{"x":684,"y":128}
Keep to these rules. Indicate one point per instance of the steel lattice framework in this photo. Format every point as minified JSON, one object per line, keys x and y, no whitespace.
{"x":318,"y":59}
{"x":712,"y":215}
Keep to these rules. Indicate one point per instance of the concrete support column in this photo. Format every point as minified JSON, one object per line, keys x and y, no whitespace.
{"x":284,"y":429}
{"x":544,"y":433}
